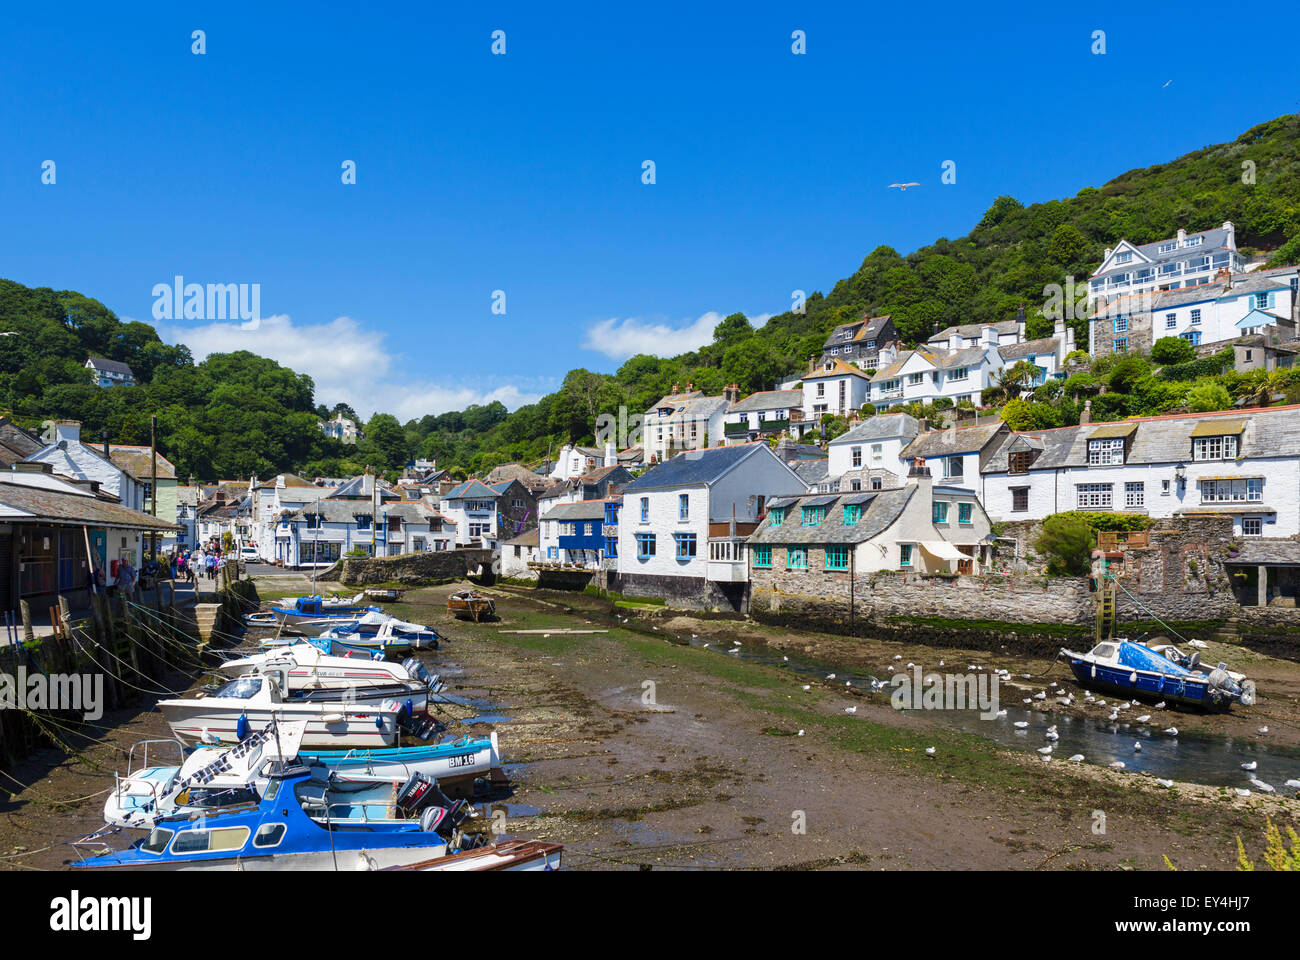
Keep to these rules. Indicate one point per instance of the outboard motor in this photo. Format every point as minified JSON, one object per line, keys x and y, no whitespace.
{"x":421,"y":727}
{"x":417,"y":793}
{"x":417,"y":671}
{"x":432,"y":819}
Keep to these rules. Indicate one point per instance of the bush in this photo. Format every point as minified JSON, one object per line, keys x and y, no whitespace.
{"x":1127,"y":372}
{"x":1110,"y":522}
{"x":1029,"y":415}
{"x":1172,"y":350}
{"x":1206,"y":396}
{"x":1067,"y":543}
{"x":1210,"y":366}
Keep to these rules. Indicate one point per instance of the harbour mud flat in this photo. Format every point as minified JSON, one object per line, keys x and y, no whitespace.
{"x":638,"y":750}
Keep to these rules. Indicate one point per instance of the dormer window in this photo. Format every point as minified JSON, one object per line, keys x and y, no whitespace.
{"x":1107,"y":450}
{"x":1214,"y":448}
{"x":1123,"y":257}
{"x":1019,"y":461}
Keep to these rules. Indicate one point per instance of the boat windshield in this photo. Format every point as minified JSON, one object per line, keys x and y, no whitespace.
{"x":157,"y":841}
{"x":1104,"y":651}
{"x":242,"y":688}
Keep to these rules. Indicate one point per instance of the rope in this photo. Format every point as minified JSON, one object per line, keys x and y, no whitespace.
{"x":1147,"y":609}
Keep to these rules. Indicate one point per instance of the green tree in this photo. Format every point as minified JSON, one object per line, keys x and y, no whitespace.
{"x":1067,"y":543}
{"x":1169,"y":350}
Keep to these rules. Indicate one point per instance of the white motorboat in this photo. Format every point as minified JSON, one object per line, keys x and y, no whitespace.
{"x":310,"y":673}
{"x":250,"y":702}
{"x":508,"y":856}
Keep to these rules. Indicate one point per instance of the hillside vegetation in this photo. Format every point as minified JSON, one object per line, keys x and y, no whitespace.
{"x":235,"y":414}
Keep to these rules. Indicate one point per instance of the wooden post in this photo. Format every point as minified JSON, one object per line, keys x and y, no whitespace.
{"x":25,"y":609}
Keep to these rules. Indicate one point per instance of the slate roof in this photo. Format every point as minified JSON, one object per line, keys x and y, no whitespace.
{"x":811,"y":472}
{"x":968,"y":330}
{"x":892,"y":370}
{"x":1272,"y":432}
{"x":945,"y":443}
{"x":1018,"y":351}
{"x":138,"y":461}
{"x":582,"y":510}
{"x":768,"y":400}
{"x":20,"y":502}
{"x":345,"y":511}
{"x":526,"y":539}
{"x":878,"y":515}
{"x":688,"y":405}
{"x":471,"y":490}
{"x":1267,"y":551}
{"x":837,"y":368}
{"x":880,"y":427}
{"x":109,"y":366}
{"x":517,"y":471}
{"x":692,"y":467}
{"x":363,"y":487}
{"x":965,"y":357}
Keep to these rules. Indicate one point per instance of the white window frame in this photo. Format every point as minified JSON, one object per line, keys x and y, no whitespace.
{"x":1093,"y":496}
{"x":1219,"y":447}
{"x":1106,"y":451}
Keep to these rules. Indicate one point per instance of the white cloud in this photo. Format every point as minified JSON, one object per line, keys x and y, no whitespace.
{"x":620,"y":339}
{"x":347,"y":362}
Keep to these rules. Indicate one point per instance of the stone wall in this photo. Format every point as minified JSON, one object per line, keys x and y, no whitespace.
{"x":689,"y":593}
{"x":1179,"y":574}
{"x":804,"y":596}
{"x":434,"y":566}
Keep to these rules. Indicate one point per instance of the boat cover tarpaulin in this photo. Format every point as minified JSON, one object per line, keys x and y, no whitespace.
{"x":1137,"y":657}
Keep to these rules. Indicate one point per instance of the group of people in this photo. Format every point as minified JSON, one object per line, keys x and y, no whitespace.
{"x":189,"y":565}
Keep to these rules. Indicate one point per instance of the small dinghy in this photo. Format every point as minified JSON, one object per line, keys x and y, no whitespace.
{"x":1130,"y":669}
{"x":382,"y":630}
{"x":265,"y":619}
{"x":469,"y":605}
{"x":457,"y":761}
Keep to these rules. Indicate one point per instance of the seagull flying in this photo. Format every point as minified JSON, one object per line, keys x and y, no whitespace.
{"x":903,"y":186}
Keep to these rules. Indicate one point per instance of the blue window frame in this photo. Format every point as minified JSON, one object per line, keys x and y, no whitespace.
{"x":611,"y":547}
{"x":1119,"y":345}
{"x":645,"y":546}
{"x":1192,"y":336}
{"x":837,"y":558}
{"x":683,"y":506}
{"x":1121,"y":324}
{"x":796,"y":558}
{"x":964,"y":511}
{"x":813,"y":516}
{"x":904,"y":554}
{"x":645,"y":509}
{"x":778,"y":516}
{"x":763,"y":557}
{"x":685,"y":545}
{"x":939,"y":511}
{"x":611,"y":514}
{"x":852,"y":514}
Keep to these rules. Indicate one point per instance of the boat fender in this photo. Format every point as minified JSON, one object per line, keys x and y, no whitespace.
{"x":332,"y":718}
{"x":241,"y":727}
{"x":408,"y":708}
{"x":379,"y":723}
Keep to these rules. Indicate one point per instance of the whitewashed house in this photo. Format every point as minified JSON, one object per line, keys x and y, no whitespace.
{"x":834,"y":388}
{"x":68,"y":456}
{"x":1204,"y":314}
{"x":1245,"y":464}
{"x":918,"y":527}
{"x":956,"y":455}
{"x":518,"y":554}
{"x":867,"y":456}
{"x":282,"y":495}
{"x":574,"y":461}
{"x":683,"y":524}
{"x":1181,"y":261}
{"x":681,"y":421}
{"x":924,"y":375}
{"x":766,"y":413}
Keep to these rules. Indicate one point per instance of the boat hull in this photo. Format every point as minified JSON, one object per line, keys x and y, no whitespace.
{"x":446,"y":763}
{"x":1149,"y":686}
{"x":191,"y":720}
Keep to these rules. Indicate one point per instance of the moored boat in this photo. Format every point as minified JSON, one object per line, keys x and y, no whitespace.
{"x":250,"y":702}
{"x":317,"y":611}
{"x":1129,"y":669}
{"x":467,"y":604}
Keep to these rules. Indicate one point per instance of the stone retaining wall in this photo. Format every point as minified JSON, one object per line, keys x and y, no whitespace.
{"x":434,"y":566}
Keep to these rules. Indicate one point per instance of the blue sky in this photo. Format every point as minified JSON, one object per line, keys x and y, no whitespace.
{"x":522,"y":172}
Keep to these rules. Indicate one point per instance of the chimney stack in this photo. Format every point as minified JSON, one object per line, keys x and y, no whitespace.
{"x":812,"y":364}
{"x":923,"y":426}
{"x":1086,"y":415}
{"x":67,"y":430}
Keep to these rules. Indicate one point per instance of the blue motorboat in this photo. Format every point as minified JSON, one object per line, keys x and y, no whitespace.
{"x":1129,"y":669}
{"x":383,"y":628}
{"x":292,"y":826}
{"x":323,"y":612}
